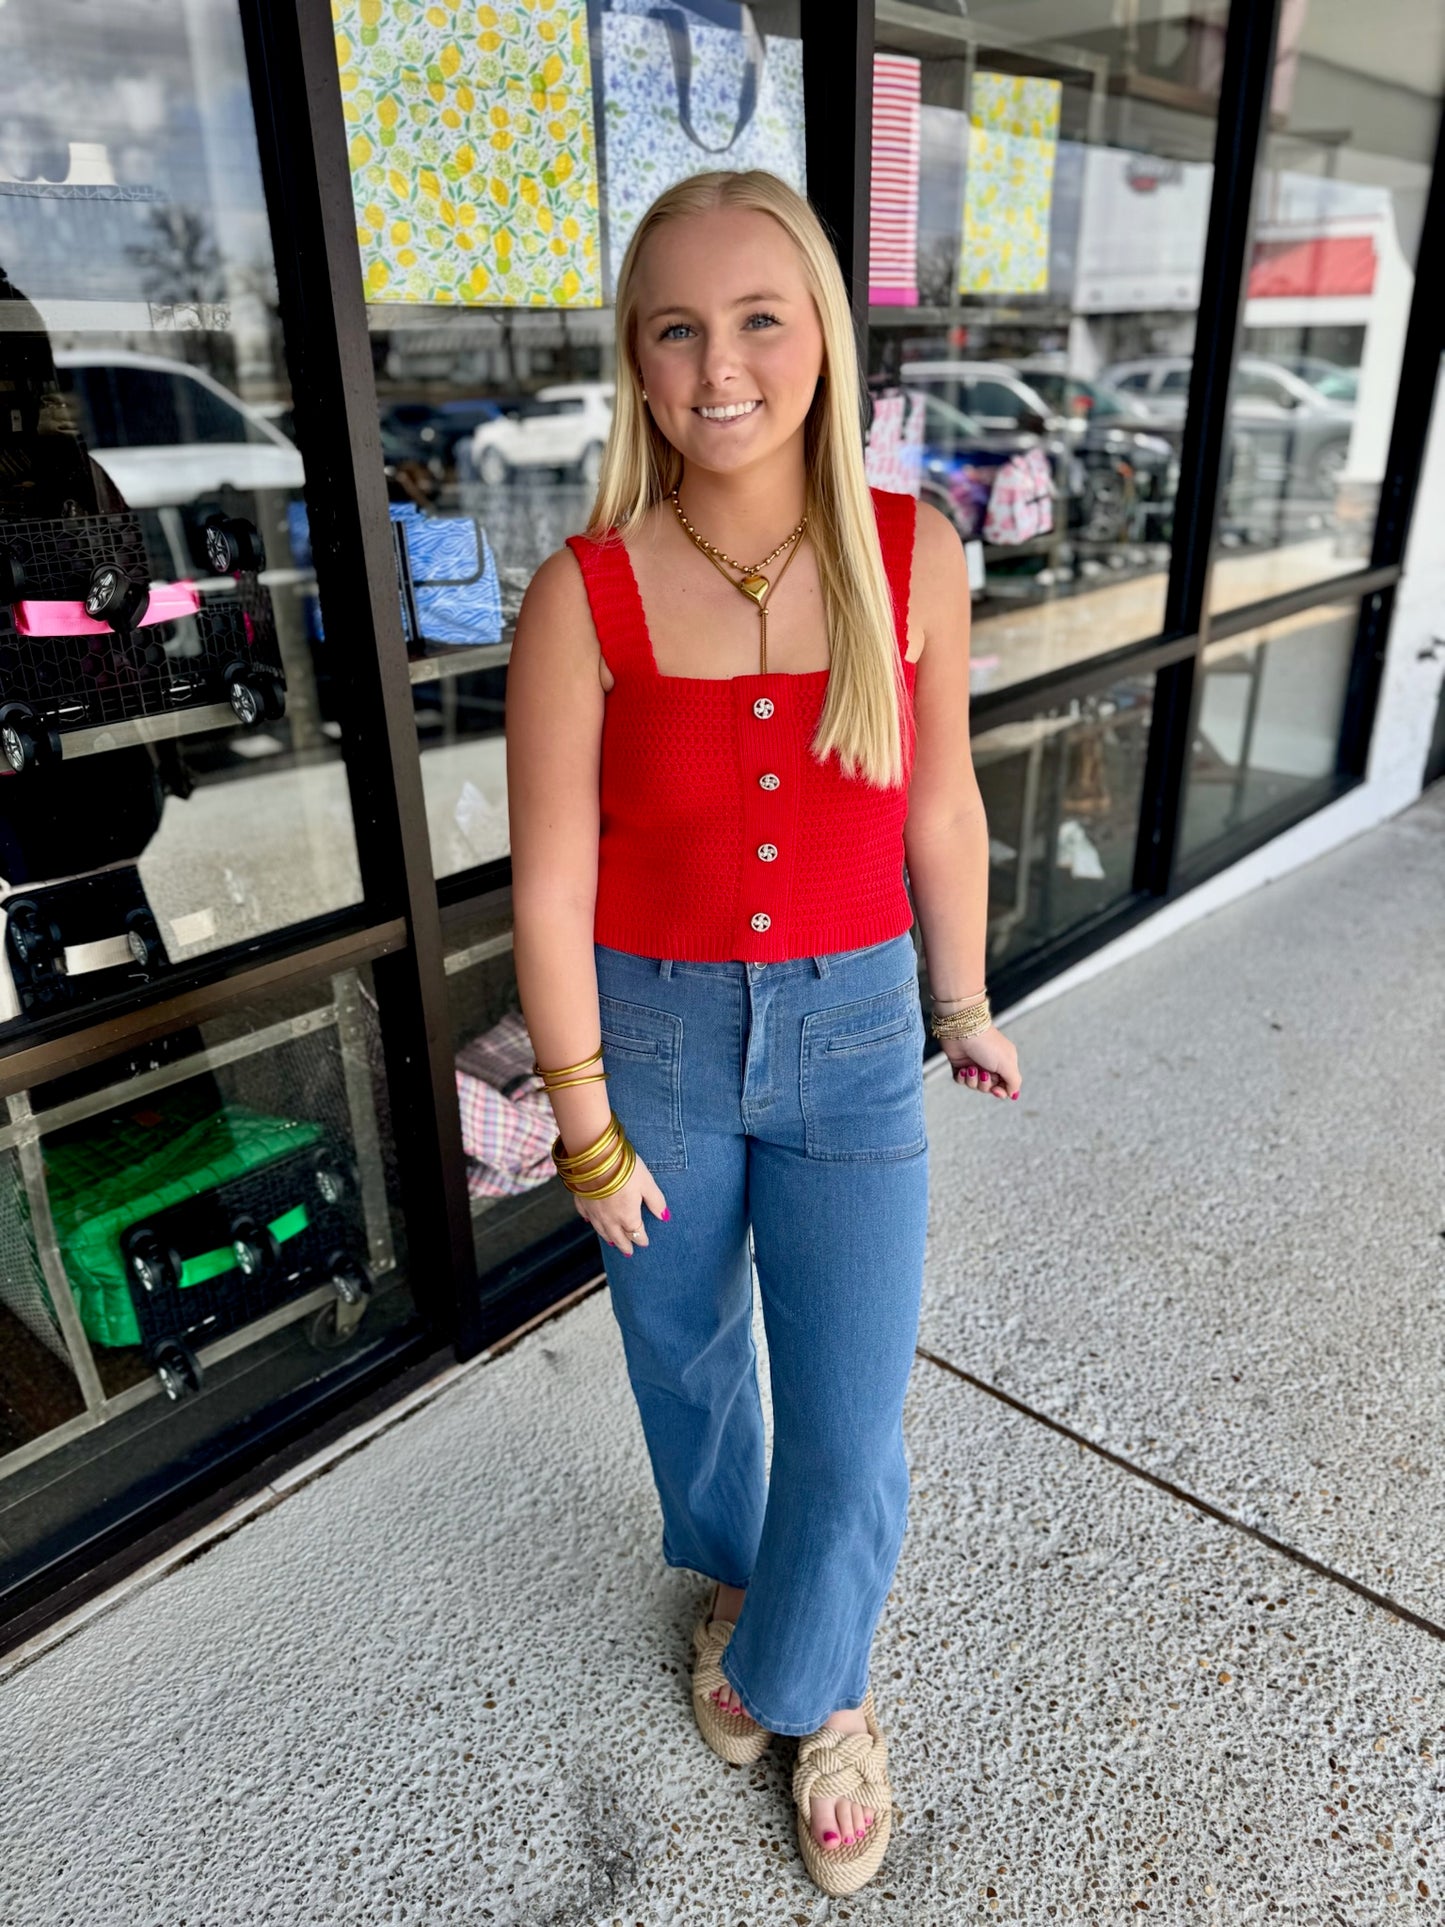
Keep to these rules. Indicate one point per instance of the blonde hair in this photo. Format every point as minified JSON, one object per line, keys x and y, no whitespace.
{"x":867,"y":696}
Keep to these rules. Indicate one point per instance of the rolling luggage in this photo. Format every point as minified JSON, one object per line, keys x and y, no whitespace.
{"x":86,"y":639}
{"x":179,"y":1223}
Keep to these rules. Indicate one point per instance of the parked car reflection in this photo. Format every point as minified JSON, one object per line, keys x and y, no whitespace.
{"x":563,"y":428}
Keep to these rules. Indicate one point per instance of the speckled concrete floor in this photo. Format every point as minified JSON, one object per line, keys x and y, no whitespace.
{"x":447,"y":1681}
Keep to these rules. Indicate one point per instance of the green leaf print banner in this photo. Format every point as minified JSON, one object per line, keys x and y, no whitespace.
{"x":473,"y":164}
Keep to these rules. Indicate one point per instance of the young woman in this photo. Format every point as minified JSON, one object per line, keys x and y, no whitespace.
{"x":734,"y":707}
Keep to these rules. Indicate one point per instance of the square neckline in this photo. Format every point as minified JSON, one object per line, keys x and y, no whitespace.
{"x":755,"y":675}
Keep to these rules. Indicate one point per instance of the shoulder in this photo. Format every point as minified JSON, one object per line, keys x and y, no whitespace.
{"x":935,"y":539}
{"x":556,"y":598}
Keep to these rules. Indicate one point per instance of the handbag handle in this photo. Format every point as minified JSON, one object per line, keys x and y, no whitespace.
{"x":679,"y":39}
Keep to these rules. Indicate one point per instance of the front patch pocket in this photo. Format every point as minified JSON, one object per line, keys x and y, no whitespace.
{"x":642,"y":1055}
{"x":862,"y":1078}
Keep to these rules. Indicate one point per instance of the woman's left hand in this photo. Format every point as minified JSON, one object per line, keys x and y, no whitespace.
{"x":986,"y":1061}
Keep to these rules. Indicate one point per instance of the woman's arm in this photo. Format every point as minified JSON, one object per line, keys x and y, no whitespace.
{"x":554,"y":759}
{"x":945,"y":840}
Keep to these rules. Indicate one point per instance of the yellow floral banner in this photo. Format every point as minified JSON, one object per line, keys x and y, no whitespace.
{"x":1008,"y":195}
{"x":473,"y":163}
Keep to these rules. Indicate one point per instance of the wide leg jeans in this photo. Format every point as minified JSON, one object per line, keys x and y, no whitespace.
{"x":784,"y":1099}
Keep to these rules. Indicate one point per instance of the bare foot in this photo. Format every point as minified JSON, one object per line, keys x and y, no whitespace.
{"x":836,"y":1823}
{"x":727,"y":1603}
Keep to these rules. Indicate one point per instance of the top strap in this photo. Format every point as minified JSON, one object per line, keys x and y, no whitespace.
{"x":615,"y":602}
{"x":897,"y":522}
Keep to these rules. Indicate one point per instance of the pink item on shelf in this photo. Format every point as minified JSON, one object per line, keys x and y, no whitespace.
{"x":893,"y":199}
{"x":169,"y":601}
{"x":507,"y":1120}
{"x":1022,"y":503}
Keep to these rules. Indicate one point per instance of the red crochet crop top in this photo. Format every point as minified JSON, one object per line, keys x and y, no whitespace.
{"x":722,"y":835}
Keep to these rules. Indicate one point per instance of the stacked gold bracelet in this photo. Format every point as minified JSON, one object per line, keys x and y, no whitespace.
{"x":967,"y":1021}
{"x":606,"y":1164}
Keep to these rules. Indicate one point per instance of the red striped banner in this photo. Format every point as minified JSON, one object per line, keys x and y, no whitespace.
{"x":893,"y":203}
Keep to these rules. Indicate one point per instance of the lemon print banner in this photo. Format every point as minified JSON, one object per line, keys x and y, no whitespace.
{"x":1008,"y":195}
{"x":473,"y":165}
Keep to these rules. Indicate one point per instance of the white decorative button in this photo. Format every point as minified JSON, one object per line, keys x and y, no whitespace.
{"x":769,"y":782}
{"x":762,"y":921}
{"x":767,"y":851}
{"x":763,"y":707}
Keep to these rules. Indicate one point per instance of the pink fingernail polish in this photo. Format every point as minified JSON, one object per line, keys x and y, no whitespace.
{"x":1015,"y":1096}
{"x":665,"y":1216}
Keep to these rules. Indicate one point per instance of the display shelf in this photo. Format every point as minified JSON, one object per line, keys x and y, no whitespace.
{"x":25,"y":1129}
{"x":463,"y":661}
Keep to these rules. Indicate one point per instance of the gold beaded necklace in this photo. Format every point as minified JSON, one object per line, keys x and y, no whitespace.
{"x":754,"y":584}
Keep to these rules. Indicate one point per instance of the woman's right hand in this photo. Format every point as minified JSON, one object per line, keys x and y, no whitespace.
{"x":615,"y":1219}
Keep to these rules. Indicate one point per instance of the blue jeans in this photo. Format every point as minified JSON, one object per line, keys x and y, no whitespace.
{"x":787,"y":1097}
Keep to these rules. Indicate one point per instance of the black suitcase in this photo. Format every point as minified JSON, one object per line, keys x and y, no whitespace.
{"x":207,"y":648}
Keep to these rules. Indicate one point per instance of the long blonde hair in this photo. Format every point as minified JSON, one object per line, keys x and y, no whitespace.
{"x":867,"y":696}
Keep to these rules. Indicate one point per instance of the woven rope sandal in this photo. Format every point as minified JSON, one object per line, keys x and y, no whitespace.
{"x":735,"y":1737}
{"x":844,"y":1766}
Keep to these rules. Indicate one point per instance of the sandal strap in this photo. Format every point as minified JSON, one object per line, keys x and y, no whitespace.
{"x":842,"y":1766}
{"x":709,"y":1638}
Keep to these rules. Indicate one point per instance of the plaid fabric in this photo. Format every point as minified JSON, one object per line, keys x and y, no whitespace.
{"x":507,"y":1122}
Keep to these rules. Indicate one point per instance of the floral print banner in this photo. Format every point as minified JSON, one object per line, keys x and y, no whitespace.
{"x":473,"y":160}
{"x":682,"y":97}
{"x":1009,"y":188}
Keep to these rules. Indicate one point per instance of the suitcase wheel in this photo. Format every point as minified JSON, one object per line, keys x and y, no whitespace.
{"x":337,"y":1324}
{"x":177,"y":1368}
{"x":233,"y":545}
{"x":350,"y":1278}
{"x":254,"y":695}
{"x":38,"y":942}
{"x":23,"y":741}
{"x":255,"y":1247}
{"x":154,"y":1266}
{"x":114,"y":599}
{"x":334,"y":1181}
{"x":142,"y":933}
{"x":12,"y":576}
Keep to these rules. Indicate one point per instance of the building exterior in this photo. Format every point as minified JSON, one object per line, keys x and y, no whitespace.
{"x":306,"y":353}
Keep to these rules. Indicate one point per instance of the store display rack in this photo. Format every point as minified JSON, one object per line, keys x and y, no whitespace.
{"x":335,"y":1308}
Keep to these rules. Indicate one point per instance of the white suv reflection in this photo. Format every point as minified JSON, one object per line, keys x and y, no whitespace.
{"x":563,"y":427}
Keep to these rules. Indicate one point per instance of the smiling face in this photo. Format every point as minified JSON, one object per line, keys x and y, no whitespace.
{"x":727,"y":337}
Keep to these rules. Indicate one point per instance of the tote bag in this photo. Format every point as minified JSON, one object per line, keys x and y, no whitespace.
{"x":446,"y":576}
{"x":682,"y":94}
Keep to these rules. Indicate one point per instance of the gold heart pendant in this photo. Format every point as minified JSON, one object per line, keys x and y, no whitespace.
{"x":757,"y":587}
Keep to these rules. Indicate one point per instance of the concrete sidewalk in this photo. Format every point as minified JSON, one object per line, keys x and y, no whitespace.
{"x":1168,"y":1633}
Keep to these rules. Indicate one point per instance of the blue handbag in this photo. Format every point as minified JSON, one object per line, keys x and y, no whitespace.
{"x":447,"y":580}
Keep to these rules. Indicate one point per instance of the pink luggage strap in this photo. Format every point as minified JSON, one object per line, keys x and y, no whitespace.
{"x":169,"y":601}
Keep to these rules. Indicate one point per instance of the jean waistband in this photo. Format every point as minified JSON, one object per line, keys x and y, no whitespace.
{"x":821,"y":965}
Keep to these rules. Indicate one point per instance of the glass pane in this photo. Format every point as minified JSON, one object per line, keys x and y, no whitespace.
{"x":168,"y":714}
{"x":507,"y":1123}
{"x":1346,"y":166}
{"x":1041,"y":184}
{"x":1270,"y":712}
{"x":1062,"y":792}
{"x":188,"y":1234}
{"x":499,"y":165}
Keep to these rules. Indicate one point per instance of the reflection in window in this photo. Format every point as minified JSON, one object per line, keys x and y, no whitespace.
{"x":1271,"y":704}
{"x":1038,"y":223}
{"x":169,"y":713}
{"x":1341,"y":193}
{"x":1062,"y":793}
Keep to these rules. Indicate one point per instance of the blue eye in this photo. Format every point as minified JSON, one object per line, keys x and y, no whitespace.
{"x":769,"y":320}
{"x":675,"y":332}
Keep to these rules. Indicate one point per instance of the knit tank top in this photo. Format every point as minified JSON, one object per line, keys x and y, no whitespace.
{"x":722,"y":835}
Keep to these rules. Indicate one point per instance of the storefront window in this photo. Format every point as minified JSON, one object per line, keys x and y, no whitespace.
{"x":188,"y":1234}
{"x":1270,"y":710}
{"x":1040,"y":199}
{"x":1062,"y":791}
{"x":170,"y":716}
{"x":1338,"y":207}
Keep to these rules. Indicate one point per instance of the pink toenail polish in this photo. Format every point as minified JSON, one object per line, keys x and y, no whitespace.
{"x":830,"y":1835}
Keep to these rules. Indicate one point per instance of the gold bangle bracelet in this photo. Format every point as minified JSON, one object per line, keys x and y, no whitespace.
{"x":578,"y":1161}
{"x":565,"y":1070}
{"x":565,"y":1083}
{"x":613,"y":1184}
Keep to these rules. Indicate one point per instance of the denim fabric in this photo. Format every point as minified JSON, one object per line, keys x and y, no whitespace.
{"x":785,"y":1097}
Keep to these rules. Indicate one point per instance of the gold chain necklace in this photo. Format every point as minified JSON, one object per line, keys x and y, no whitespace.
{"x":754,"y":584}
